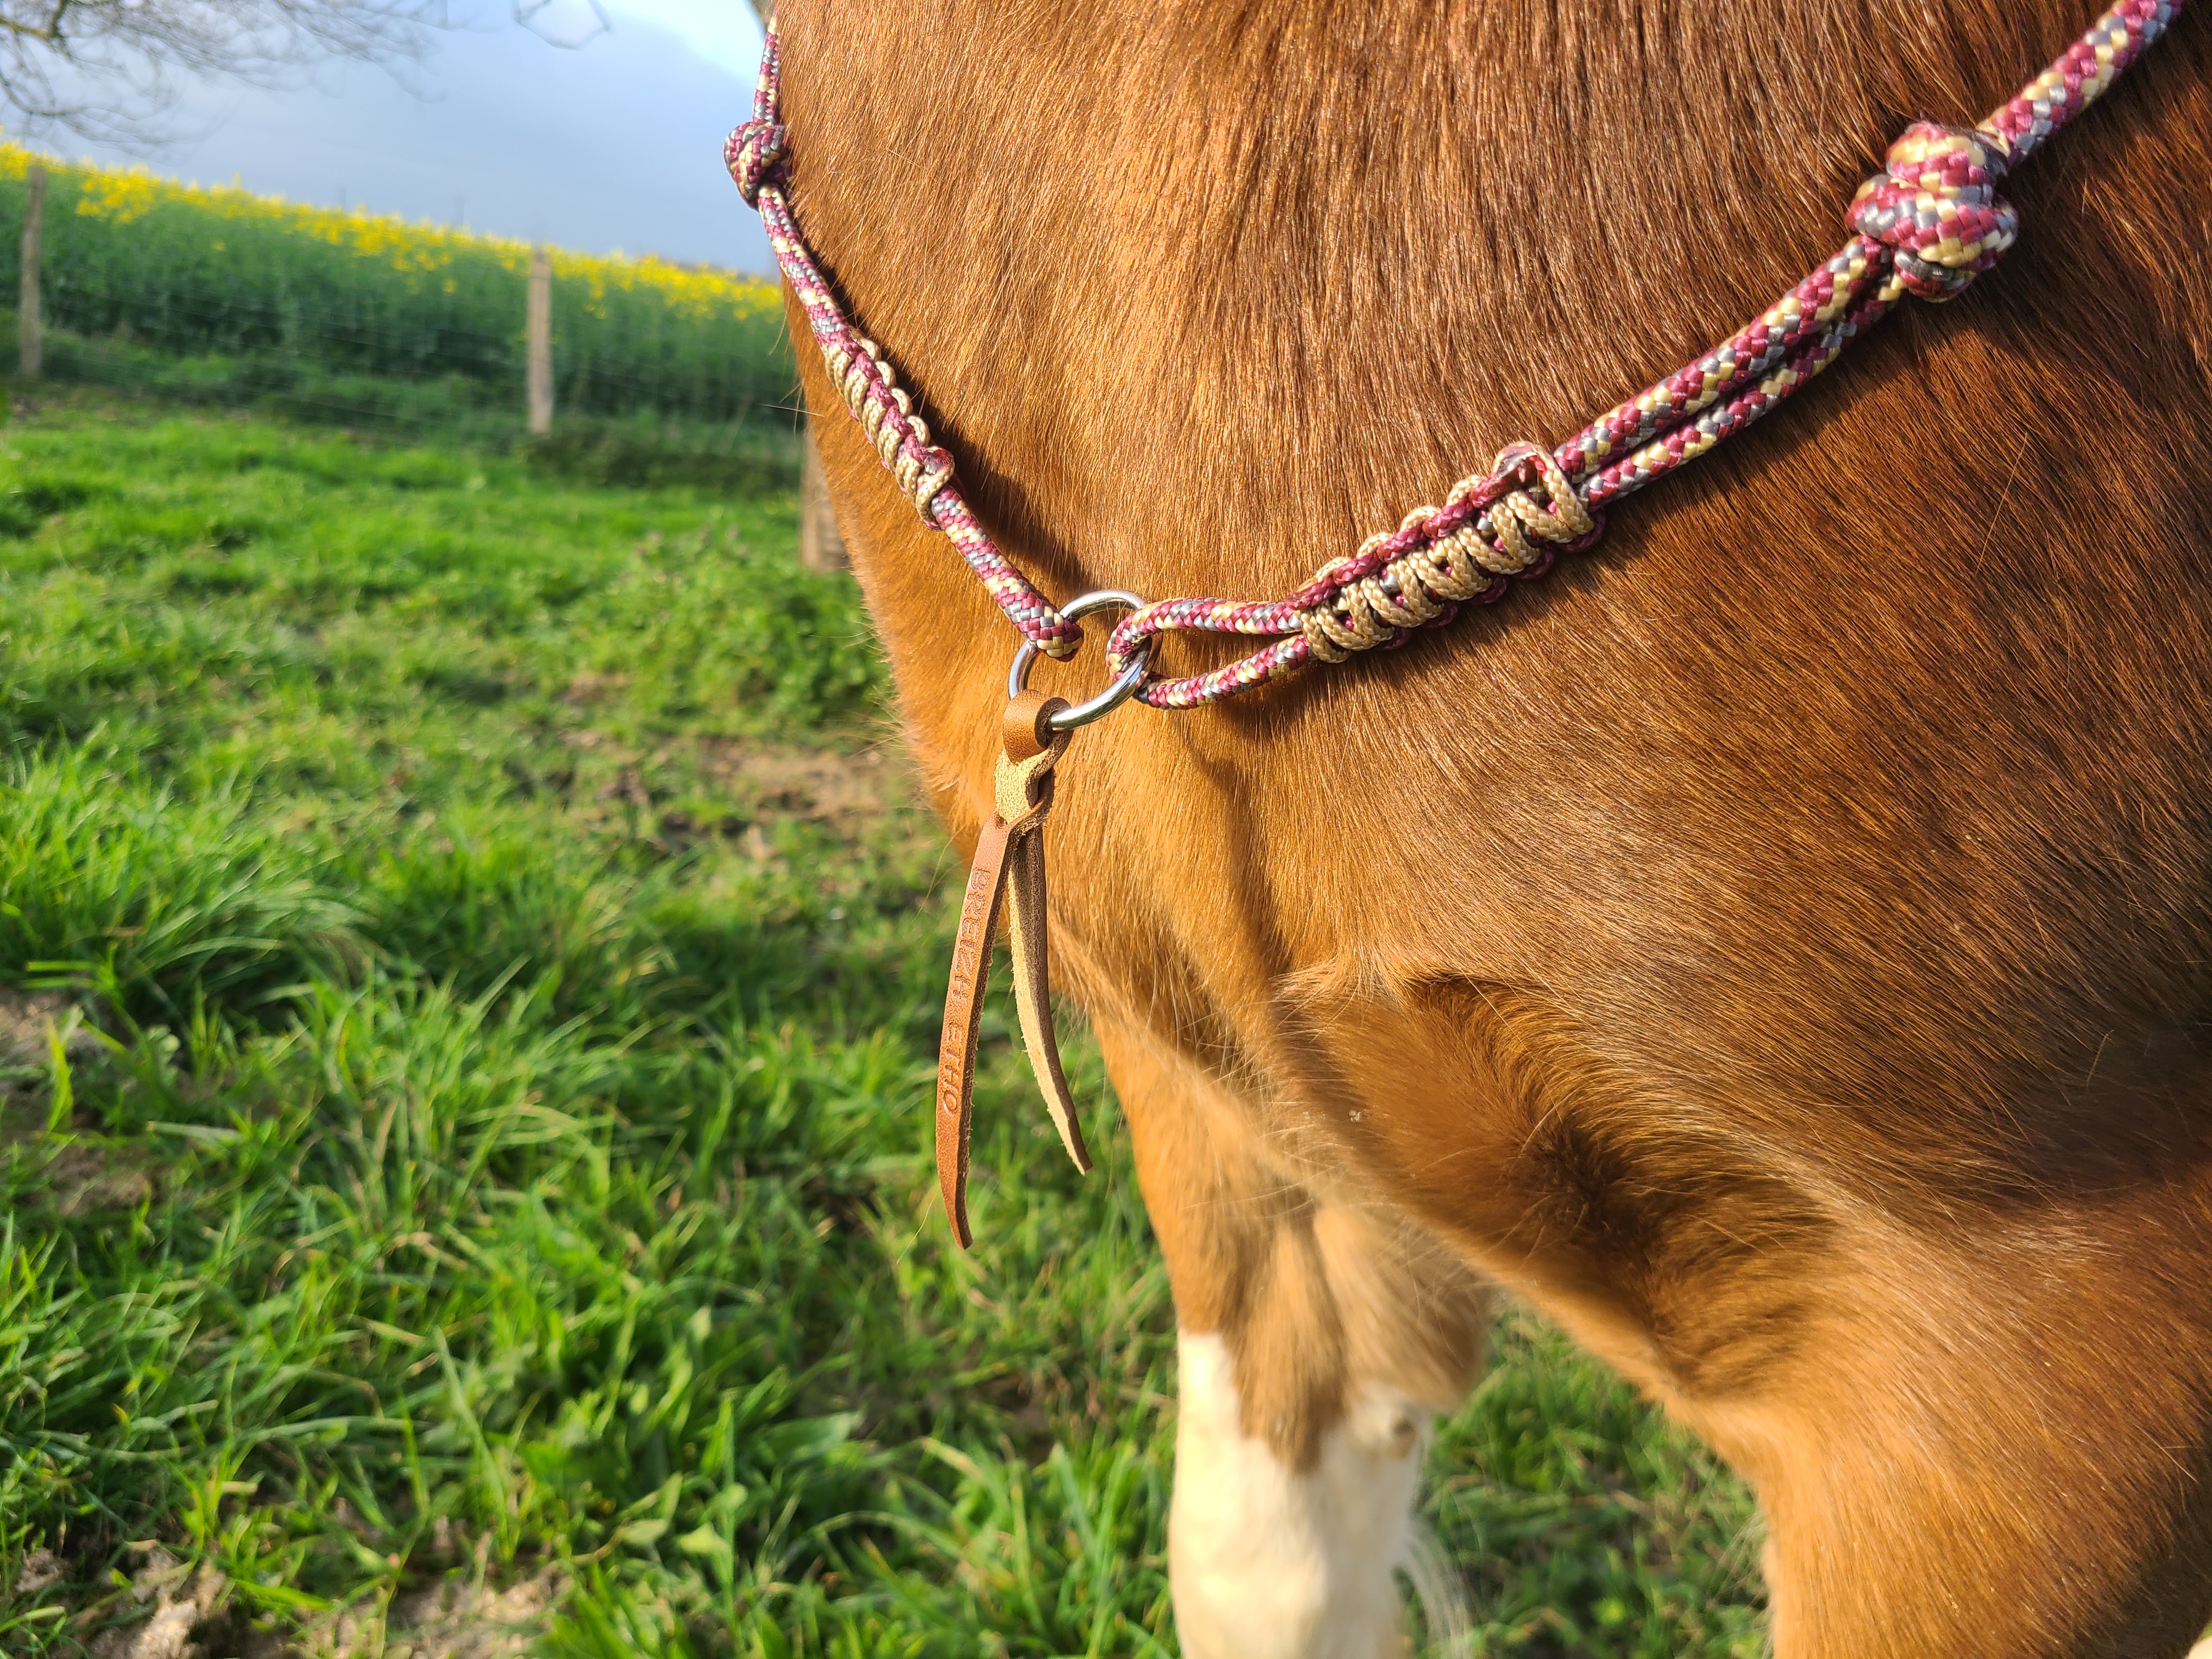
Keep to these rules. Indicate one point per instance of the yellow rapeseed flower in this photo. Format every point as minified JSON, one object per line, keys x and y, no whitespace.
{"x":119,"y":195}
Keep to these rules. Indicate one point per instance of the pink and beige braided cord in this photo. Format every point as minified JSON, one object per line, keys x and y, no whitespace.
{"x":1927,"y":224}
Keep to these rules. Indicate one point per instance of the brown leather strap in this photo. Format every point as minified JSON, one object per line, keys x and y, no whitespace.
{"x":1023,"y":731}
{"x":1027,"y":933}
{"x":1009,"y":868}
{"x":963,"y":1006}
{"x":1024,"y":794}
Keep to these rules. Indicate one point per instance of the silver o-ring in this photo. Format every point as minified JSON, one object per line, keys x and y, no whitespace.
{"x":1125,"y":685}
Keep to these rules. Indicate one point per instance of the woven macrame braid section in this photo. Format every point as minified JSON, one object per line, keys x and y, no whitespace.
{"x":1927,"y":224}
{"x":1487,"y":529}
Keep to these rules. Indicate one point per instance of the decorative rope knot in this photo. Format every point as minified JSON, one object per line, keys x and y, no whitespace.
{"x":754,"y":153}
{"x":1929,"y":224}
{"x":1512,"y":521}
{"x":1936,"y":203}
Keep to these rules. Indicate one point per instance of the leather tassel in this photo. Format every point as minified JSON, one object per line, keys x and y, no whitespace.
{"x":1008,"y":872}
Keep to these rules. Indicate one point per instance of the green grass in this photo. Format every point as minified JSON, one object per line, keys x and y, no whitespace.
{"x":506,"y":963}
{"x":640,"y":447}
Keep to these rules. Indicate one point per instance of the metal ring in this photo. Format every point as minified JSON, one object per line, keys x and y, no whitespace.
{"x":1124,"y":687}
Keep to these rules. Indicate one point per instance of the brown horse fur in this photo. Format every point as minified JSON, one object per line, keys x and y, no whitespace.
{"x":1776,"y":943}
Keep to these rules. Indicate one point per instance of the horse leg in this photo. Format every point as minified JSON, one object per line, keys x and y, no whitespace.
{"x":1315,"y":1343}
{"x":1995,"y":1448}
{"x":1972,"y":1389}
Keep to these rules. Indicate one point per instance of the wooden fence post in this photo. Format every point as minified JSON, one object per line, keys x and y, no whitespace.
{"x":30,"y":337}
{"x":821,"y":544}
{"x":541,"y":342}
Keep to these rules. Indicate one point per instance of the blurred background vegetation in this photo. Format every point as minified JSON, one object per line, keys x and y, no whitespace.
{"x":223,"y":297}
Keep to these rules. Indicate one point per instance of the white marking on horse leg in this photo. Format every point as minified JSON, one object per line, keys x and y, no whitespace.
{"x":1268,"y":1563}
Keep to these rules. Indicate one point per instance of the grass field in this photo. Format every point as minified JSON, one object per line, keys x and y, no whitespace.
{"x":468,"y":969}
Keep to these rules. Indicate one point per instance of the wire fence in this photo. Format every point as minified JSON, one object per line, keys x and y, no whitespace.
{"x":222,"y":296}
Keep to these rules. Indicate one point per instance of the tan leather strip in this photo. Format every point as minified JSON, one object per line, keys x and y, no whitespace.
{"x":1025,"y":791}
{"x":1022,"y":729}
{"x":963,"y":1004}
{"x":1010,"y":849}
{"x":1024,"y":796}
{"x":1024,"y":780}
{"x":1027,"y":932}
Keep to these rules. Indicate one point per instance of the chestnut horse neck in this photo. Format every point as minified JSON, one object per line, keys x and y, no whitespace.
{"x":1927,"y":224}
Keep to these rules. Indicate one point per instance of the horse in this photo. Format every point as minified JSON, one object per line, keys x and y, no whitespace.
{"x":1775,"y":944}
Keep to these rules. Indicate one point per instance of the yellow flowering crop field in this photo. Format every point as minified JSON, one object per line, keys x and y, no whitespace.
{"x":275,"y":287}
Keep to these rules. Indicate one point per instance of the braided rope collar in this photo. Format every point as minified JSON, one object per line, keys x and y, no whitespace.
{"x":1927,"y":224}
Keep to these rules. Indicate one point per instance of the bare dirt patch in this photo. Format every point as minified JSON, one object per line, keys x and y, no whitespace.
{"x":750,"y":781}
{"x":587,"y":688}
{"x":83,"y":1176}
{"x":89,"y":1179}
{"x":458,"y":1619}
{"x":194,"y":1615}
{"x":27,"y":1020}
{"x":838,"y":787}
{"x":41,"y":1570}
{"x":182,"y":1599}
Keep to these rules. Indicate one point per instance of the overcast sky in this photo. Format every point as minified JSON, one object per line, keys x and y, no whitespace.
{"x":613,"y":144}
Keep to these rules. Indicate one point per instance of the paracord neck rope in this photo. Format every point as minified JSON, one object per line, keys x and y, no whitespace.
{"x":1928,"y":223}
